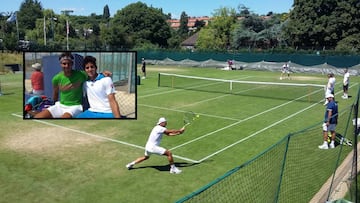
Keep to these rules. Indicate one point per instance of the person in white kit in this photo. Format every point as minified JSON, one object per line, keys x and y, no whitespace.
{"x":285,"y":71}
{"x":346,"y":81}
{"x":153,"y":145}
{"x":100,"y":93}
{"x":330,"y":86}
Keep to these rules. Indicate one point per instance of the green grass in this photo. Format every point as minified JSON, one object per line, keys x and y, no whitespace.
{"x":41,"y":162}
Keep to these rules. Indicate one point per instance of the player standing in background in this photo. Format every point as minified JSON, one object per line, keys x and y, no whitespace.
{"x":143,"y":68}
{"x":37,"y":80}
{"x":285,"y":70}
{"x":153,"y":145}
{"x":330,"y":86}
{"x":346,"y":84}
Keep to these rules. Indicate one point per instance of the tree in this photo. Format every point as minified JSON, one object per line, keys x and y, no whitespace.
{"x":183,"y":28}
{"x":199,"y":24}
{"x":322,"y":23}
{"x":142,"y":24}
{"x":106,"y":13}
{"x":30,"y":10}
{"x":221,"y":27}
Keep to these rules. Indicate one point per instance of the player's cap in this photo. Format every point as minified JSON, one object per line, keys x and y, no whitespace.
{"x":161,"y":120}
{"x":329,"y":95}
{"x":36,"y":66}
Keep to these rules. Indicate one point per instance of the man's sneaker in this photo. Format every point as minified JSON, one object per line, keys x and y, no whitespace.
{"x":175,"y":170}
{"x":129,"y":166}
{"x":332,"y":146}
{"x":323,"y":146}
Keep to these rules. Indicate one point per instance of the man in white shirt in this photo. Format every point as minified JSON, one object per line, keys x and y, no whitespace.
{"x":100,"y":93}
{"x":330,"y":86}
{"x":285,"y":70}
{"x":346,"y":84}
{"x":153,"y":145}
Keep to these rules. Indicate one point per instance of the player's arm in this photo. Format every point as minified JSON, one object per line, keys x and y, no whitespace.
{"x":329,"y":111}
{"x":174,"y":132}
{"x":55,"y":95}
{"x":114,"y":106}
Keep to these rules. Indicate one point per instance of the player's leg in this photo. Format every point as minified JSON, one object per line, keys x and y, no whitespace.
{"x":173,"y":168}
{"x":325,"y":137}
{"x":53,"y":111}
{"x":43,"y":114}
{"x":71,"y":111}
{"x":331,"y":128}
{"x":136,"y":161}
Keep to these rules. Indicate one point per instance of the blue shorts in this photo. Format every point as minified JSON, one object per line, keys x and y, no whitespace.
{"x":91,"y":114}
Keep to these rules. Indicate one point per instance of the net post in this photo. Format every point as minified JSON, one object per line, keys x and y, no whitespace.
{"x":231,"y":86}
{"x":159,"y":79}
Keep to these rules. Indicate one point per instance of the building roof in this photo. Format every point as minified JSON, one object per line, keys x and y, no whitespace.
{"x":191,"y":40}
{"x":175,"y":23}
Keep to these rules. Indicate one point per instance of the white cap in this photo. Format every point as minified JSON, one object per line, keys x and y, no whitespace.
{"x":329,"y":95}
{"x":36,"y":66}
{"x":161,"y":120}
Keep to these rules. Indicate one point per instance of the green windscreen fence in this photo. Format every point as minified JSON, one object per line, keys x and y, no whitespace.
{"x":281,"y":173}
{"x":248,"y":57}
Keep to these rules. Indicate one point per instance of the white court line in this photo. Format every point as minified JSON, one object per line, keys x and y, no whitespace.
{"x":100,"y":137}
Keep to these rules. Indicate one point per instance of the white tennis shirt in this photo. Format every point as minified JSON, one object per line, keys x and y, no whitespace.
{"x":97,"y":92}
{"x":155,"y":136}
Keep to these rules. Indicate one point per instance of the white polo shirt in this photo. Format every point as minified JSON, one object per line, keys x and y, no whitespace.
{"x":97,"y":93}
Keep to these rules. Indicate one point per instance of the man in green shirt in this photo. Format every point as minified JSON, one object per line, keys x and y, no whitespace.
{"x":69,"y":84}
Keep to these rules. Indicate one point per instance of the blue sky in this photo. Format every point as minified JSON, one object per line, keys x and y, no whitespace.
{"x":191,"y":7}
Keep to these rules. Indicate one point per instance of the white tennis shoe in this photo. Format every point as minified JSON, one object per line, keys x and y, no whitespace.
{"x":129,"y":166}
{"x":323,"y":146}
{"x":332,"y":145}
{"x":175,"y":170}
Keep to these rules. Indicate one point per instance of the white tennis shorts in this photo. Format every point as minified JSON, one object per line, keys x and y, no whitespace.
{"x":58,"y":110}
{"x":154,"y":150}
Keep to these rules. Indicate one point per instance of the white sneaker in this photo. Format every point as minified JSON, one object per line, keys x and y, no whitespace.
{"x":129,"y":166}
{"x":175,"y":170}
{"x":332,"y":146}
{"x":323,"y":146}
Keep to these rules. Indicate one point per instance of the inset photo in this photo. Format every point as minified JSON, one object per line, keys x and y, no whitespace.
{"x":80,"y":85}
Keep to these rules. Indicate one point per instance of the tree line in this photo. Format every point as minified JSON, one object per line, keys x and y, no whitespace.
{"x":323,"y":25}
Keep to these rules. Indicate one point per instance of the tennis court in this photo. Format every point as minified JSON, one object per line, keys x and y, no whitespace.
{"x":232,"y":128}
{"x":231,"y":123}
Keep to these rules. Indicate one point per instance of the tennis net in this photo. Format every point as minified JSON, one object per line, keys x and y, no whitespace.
{"x":271,"y":90}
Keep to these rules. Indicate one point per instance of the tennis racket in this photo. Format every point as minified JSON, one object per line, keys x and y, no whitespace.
{"x":189,"y":117}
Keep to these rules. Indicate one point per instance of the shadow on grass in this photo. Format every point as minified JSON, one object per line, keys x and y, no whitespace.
{"x":167,"y":166}
{"x":7,"y":93}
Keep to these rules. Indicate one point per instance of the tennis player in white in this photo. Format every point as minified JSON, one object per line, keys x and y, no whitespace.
{"x":346,"y":83}
{"x":153,"y":145}
{"x":330,"y":86}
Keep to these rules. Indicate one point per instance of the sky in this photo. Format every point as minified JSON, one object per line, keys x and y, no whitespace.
{"x":193,"y":8}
